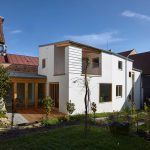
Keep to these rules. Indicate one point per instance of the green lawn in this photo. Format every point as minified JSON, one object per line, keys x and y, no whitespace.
{"x":72,"y":138}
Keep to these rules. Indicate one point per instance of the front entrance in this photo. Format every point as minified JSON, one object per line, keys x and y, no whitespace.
{"x":54,"y":93}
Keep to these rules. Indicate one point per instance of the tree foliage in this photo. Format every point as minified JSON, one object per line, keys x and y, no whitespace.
{"x":4,"y":85}
{"x":4,"y":81}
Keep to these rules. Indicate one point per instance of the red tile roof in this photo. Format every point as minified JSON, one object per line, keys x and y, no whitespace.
{"x":142,"y":61}
{"x":126,"y":53}
{"x":19,"y":59}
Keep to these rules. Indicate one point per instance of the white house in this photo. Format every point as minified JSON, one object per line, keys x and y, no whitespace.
{"x":112,"y":78}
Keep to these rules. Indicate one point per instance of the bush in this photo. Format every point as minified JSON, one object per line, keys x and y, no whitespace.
{"x":78,"y":117}
{"x":70,"y":107}
{"x":50,"y":121}
{"x":63,"y":119}
{"x":48,"y":103}
{"x":119,"y":128}
{"x":118,"y":124}
{"x":2,"y":114}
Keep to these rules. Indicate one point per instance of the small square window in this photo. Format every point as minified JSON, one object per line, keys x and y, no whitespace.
{"x":120,"y":65}
{"x":43,"y":63}
{"x":95,"y":62}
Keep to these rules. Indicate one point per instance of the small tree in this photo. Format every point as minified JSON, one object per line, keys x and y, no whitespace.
{"x":70,"y":107}
{"x":87,"y":93}
{"x":48,"y":103}
{"x":4,"y":85}
{"x":94,"y":109}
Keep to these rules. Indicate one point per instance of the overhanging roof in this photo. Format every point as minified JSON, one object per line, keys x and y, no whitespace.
{"x":69,"y":42}
{"x":25,"y":75}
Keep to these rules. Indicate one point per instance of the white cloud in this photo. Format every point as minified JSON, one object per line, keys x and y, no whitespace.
{"x":96,"y":39}
{"x":132,"y":14}
{"x":16,"y":31}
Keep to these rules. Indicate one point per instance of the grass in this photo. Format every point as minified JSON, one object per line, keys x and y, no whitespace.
{"x":73,"y":138}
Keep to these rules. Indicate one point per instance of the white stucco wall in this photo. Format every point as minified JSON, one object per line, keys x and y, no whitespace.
{"x":71,"y":84}
{"x":47,"y":52}
{"x":110,"y":74}
{"x":138,"y":90}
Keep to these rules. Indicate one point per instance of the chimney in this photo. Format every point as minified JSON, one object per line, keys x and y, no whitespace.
{"x":2,"y":40}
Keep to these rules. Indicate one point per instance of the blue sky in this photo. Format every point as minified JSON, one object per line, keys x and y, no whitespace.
{"x":123,"y":24}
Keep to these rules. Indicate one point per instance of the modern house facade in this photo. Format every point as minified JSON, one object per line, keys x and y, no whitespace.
{"x":59,"y":72}
{"x":112,"y":79}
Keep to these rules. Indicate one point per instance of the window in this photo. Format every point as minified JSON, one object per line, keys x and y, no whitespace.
{"x":120,"y":65}
{"x":95,"y":62}
{"x":105,"y":92}
{"x":130,"y":74}
{"x":119,"y":90}
{"x":43,"y":63}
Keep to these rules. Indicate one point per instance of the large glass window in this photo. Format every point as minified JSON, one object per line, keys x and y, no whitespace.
{"x":31,"y":93}
{"x":20,"y":94}
{"x":105,"y":93}
{"x":95,"y":62}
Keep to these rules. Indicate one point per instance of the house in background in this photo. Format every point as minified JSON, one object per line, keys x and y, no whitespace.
{"x":128,"y":53}
{"x":112,"y":79}
{"x":142,"y":62}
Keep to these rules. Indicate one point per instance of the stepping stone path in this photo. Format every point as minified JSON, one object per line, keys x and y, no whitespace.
{"x":18,"y":118}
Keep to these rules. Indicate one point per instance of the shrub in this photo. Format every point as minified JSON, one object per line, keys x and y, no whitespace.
{"x":2,"y":114}
{"x":118,"y":124}
{"x":93,"y":108}
{"x":77,"y":117}
{"x":48,"y":103}
{"x":119,"y":128}
{"x":50,"y":121}
{"x":70,"y":107}
{"x":63,"y":119}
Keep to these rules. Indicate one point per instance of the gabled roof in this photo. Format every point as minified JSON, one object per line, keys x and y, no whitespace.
{"x":19,"y":59}
{"x":127,"y":53}
{"x":142,"y":61}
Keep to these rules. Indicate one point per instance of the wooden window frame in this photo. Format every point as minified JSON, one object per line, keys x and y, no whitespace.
{"x":95,"y":65}
{"x":109,"y":93}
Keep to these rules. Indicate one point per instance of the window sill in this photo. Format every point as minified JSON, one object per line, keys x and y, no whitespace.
{"x":59,"y":74}
{"x":118,"y":97}
{"x":93,"y":75}
{"x":105,"y":102}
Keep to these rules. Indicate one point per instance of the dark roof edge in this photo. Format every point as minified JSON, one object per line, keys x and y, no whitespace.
{"x":137,"y":70}
{"x":105,"y":51}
